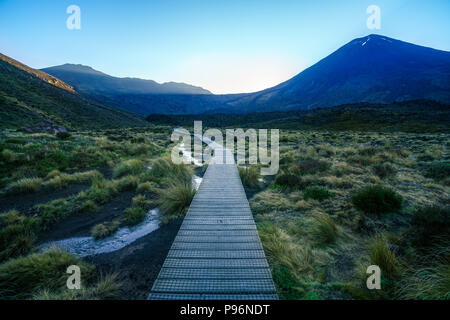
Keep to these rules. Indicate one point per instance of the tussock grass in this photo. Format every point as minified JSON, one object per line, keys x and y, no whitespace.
{"x":146,"y":187}
{"x":270,"y":200}
{"x":292,"y":264}
{"x":383,"y":170}
{"x":17,"y":234}
{"x":25,"y":185}
{"x":88,"y":206}
{"x":430,"y":278}
{"x":105,"y":229}
{"x":107,"y":288}
{"x":21,"y":277}
{"x":128,"y":167}
{"x":137,"y":212}
{"x":52,"y":174}
{"x":175,"y":199}
{"x":325,"y":229}
{"x":381,"y":255}
{"x":62,"y":180}
{"x":249,"y":177}
{"x":103,"y":191}
{"x":164,"y":170}
{"x":427,"y":283}
{"x":310,"y":166}
{"x":54,"y":211}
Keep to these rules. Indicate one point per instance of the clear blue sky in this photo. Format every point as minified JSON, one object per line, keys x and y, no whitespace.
{"x":222,"y":45}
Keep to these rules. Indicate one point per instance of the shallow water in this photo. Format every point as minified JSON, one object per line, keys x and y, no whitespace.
{"x":196,"y":180}
{"x":87,"y":246}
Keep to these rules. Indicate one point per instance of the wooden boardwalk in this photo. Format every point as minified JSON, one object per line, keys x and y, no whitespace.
{"x":217,"y":253}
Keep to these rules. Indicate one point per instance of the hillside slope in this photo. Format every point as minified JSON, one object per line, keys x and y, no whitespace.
{"x":26,"y":99}
{"x":373,"y":69}
{"x":407,"y":116}
{"x":40,"y":74}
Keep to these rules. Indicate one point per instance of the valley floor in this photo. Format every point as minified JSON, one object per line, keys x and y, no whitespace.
{"x":341,"y":201}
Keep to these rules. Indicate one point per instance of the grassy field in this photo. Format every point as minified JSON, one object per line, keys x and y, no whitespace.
{"x":343,"y":201}
{"x":47,"y":180}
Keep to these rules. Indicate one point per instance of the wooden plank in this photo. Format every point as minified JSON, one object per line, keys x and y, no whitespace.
{"x":217,"y":253}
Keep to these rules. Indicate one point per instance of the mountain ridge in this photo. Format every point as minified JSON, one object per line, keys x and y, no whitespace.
{"x":83,"y":77}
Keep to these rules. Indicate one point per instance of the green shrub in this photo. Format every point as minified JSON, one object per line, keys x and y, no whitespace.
{"x":377,"y":199}
{"x":311,"y":166}
{"x":134,"y":215}
{"x":289,"y":287}
{"x":325,"y":229}
{"x":8,"y":155}
{"x":128,"y":167}
{"x":437,"y":170}
{"x":63,"y":135}
{"x":383,"y":170}
{"x":429,"y":223}
{"x":88,"y":206}
{"x":316,"y":193}
{"x":21,"y":277}
{"x":288,"y":180}
{"x":249,"y":176}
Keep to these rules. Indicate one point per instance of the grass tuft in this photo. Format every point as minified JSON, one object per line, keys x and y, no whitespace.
{"x":21,"y":277}
{"x":316,"y":193}
{"x":381,"y":255}
{"x":128,"y":167}
{"x":175,"y":199}
{"x":249,"y":177}
{"x":325,"y":229}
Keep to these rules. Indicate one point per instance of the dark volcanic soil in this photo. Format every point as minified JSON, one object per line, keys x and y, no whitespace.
{"x":138,"y":264}
{"x":25,"y":202}
{"x":80,"y":225}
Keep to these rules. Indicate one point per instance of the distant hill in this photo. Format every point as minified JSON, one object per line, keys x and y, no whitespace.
{"x":408,"y":116}
{"x":87,"y":80}
{"x":29,"y":97}
{"x":374,"y":69}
